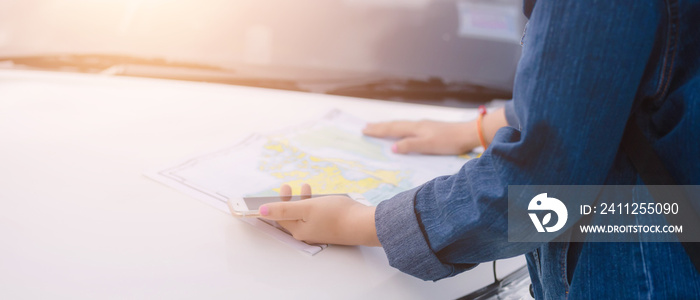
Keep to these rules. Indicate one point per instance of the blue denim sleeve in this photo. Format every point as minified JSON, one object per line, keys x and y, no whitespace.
{"x":575,"y":85}
{"x":403,"y":239}
{"x":511,"y":118}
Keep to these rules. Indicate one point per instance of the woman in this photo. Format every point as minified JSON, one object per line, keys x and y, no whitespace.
{"x":587,"y":68}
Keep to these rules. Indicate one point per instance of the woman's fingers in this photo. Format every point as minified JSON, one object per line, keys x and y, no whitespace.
{"x":413,"y":144}
{"x":394,"y":129}
{"x":286,"y":192}
{"x":305,"y":191}
{"x":279,"y":211}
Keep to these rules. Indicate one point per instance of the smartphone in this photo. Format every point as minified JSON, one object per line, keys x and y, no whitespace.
{"x":248,"y":206}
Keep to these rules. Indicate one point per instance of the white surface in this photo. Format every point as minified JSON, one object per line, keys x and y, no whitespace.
{"x":78,"y":220}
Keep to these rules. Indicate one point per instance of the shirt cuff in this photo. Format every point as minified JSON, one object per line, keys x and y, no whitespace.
{"x":511,"y":117}
{"x":404,"y":242}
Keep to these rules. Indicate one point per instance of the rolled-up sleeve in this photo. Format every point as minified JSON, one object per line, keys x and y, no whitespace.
{"x":403,"y":240}
{"x":574,"y":90}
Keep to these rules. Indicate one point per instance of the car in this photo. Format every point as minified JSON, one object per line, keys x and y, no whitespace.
{"x":440,"y":52}
{"x":434,"y":51}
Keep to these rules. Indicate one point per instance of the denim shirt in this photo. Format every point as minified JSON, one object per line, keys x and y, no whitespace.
{"x":585,"y":65}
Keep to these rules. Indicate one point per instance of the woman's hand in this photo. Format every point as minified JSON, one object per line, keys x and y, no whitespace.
{"x":431,"y":137}
{"x":327,"y":220}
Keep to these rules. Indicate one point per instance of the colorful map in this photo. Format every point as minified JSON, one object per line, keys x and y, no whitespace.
{"x":331,"y":154}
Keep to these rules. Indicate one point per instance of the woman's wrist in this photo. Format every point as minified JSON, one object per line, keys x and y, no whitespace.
{"x":492,"y":123}
{"x":469,"y":136}
{"x":360,"y":225}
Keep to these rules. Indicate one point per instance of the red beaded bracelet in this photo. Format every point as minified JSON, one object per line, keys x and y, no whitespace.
{"x":479,"y":127}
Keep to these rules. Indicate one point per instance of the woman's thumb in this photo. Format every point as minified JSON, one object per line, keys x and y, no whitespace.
{"x":280,"y":211}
